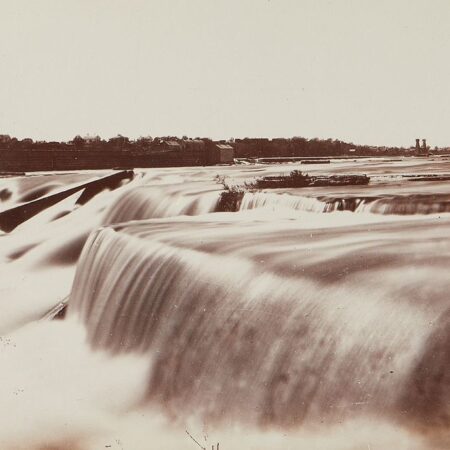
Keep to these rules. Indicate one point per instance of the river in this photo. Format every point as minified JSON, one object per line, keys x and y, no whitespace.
{"x":312,"y":318}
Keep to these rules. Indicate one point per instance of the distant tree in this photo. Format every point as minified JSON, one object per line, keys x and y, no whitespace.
{"x":14,"y":143}
{"x":78,"y":142}
{"x":144,"y":140}
{"x":26,"y":143}
{"x":119,"y":142}
{"x":5,"y":139}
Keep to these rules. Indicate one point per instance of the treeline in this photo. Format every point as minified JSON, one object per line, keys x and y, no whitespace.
{"x":83,"y":143}
{"x":299,"y":146}
{"x":243,"y":148}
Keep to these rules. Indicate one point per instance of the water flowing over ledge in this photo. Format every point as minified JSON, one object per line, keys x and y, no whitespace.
{"x":389,"y":205}
{"x":239,"y":338}
{"x":313,"y":318}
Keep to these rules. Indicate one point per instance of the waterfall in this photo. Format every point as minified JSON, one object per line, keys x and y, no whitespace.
{"x":386,"y":205}
{"x":145,"y":202}
{"x":261,"y":340}
{"x":254,"y":200}
{"x":406,"y":205}
{"x":238,"y":319}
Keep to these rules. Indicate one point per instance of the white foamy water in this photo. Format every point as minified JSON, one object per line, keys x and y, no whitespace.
{"x":309,"y":318}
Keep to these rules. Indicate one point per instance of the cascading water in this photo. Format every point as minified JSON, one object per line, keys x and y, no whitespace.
{"x":271,"y":327}
{"x":387,"y":205}
{"x":254,"y":200}
{"x":266,"y":337}
{"x":148,"y":202}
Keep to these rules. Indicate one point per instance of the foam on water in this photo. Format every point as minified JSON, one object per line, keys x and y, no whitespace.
{"x":265,"y":335}
{"x":58,"y":394}
{"x":273,"y":327}
{"x":386,"y":205}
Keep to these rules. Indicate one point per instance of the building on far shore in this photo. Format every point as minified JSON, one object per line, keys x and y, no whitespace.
{"x":169,"y":146}
{"x":222,"y":154}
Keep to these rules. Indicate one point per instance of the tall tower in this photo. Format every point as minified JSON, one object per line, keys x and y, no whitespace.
{"x":424,"y":147}
{"x":421,"y":150}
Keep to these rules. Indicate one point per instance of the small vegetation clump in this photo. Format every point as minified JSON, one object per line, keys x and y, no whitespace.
{"x":231,"y":198}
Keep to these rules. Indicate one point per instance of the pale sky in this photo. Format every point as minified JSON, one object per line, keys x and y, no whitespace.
{"x":367,"y":71}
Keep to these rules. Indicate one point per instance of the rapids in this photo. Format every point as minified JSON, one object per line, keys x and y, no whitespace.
{"x":314,"y":318}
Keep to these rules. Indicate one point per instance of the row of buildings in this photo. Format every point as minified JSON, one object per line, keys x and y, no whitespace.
{"x":121,"y":154}
{"x":92,"y":152}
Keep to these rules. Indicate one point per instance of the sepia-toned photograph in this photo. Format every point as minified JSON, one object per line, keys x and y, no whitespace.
{"x":224,"y":225}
